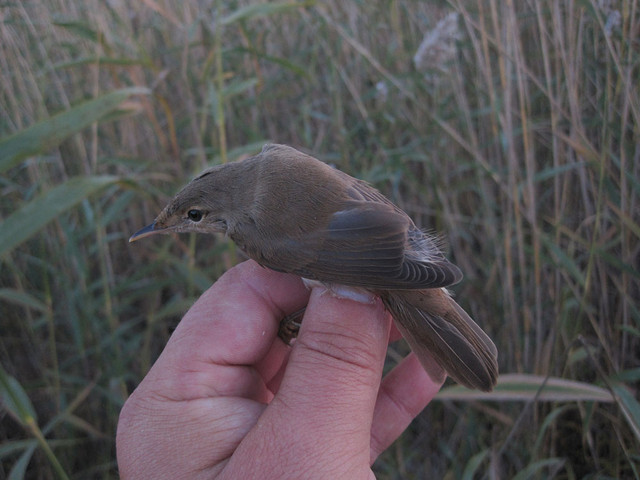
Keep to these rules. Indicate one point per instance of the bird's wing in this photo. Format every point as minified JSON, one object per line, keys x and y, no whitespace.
{"x":364,"y":245}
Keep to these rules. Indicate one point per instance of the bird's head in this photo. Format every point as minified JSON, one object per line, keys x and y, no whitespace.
{"x":203,"y":205}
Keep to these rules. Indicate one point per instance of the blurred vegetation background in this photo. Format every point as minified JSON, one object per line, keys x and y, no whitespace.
{"x":510,"y":127}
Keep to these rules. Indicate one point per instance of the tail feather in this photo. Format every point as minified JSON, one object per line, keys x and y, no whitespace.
{"x":437,"y":328}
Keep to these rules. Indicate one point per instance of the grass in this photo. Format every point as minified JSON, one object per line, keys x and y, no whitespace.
{"x":517,"y":137}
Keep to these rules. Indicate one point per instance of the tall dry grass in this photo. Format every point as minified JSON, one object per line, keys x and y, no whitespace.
{"x":514,"y":130}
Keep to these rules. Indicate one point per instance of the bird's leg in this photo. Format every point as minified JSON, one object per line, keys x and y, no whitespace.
{"x":290,"y":326}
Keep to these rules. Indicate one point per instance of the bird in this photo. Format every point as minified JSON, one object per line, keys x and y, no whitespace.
{"x":293,"y":213}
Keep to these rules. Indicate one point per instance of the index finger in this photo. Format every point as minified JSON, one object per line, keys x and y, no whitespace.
{"x":231,"y":327}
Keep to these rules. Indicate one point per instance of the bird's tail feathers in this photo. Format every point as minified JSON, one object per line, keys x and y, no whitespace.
{"x":437,"y":328}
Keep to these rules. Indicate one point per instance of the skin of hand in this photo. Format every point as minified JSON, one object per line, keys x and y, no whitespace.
{"x":227,"y":399}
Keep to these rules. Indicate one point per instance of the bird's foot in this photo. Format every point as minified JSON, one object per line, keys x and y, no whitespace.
{"x":290,"y":326}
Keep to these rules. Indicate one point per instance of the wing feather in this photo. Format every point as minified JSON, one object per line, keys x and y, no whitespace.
{"x":364,"y":246}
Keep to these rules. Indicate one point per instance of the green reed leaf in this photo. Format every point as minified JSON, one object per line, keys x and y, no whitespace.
{"x":44,"y":135}
{"x":33,"y":216}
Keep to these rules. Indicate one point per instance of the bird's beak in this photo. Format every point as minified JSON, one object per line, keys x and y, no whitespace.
{"x":145,"y":232}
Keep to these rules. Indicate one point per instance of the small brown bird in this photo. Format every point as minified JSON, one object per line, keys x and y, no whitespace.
{"x":293,"y":213}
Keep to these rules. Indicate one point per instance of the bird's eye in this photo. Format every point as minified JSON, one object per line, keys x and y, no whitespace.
{"x":195,"y":215}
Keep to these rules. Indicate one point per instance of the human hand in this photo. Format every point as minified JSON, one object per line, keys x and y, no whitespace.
{"x":227,"y":399}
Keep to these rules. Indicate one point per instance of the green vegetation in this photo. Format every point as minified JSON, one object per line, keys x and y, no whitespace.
{"x":515,"y":131}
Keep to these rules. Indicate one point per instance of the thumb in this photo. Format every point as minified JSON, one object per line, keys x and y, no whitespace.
{"x":323,"y":411}
{"x":337,"y":360}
